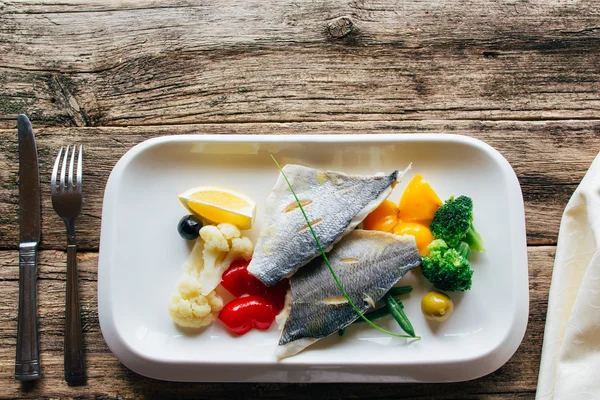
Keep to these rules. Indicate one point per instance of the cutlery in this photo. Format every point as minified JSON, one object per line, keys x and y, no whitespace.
{"x":27,"y":361}
{"x":66,"y":201}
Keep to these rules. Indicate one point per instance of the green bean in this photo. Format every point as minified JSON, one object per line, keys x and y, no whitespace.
{"x":384,"y":311}
{"x":395,"y":309}
{"x":376,"y":314}
{"x":399,"y":290}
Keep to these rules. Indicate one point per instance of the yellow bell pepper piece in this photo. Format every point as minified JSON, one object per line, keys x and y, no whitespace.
{"x":419,"y":201}
{"x":421,"y":233}
{"x":417,"y":207}
{"x":383,"y":218}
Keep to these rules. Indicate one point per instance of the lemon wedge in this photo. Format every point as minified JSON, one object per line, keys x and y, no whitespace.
{"x":220,"y":205}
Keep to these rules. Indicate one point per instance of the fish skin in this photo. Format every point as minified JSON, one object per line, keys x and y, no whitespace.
{"x":384,"y":258}
{"x":334,"y":202}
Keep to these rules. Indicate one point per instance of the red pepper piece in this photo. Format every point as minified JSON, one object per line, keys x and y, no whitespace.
{"x":241,"y":315}
{"x":276,"y":294}
{"x":238,"y":281}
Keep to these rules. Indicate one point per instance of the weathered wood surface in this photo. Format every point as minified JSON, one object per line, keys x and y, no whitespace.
{"x":145,"y":62}
{"x":516,"y":379}
{"x":524,"y":76}
{"x":550,"y":158}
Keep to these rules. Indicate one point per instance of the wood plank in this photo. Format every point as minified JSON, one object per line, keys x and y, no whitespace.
{"x":550,"y":158}
{"x":125,"y":63}
{"x":108,"y":378}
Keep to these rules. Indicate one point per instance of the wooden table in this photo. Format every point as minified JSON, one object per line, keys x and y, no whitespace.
{"x":521,"y":75}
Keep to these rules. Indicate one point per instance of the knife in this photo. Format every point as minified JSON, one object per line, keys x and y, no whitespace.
{"x":27,"y":362}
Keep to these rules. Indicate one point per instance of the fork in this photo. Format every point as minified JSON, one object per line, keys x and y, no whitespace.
{"x":66,"y":201}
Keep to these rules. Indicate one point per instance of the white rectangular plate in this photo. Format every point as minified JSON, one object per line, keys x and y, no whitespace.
{"x":141,"y":256}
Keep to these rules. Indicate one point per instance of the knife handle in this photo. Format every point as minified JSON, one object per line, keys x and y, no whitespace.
{"x":74,"y":356}
{"x":27,"y":362}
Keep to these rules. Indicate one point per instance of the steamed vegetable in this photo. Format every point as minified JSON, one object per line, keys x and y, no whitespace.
{"x":446,"y":268}
{"x":400,"y":290}
{"x":188,"y":307}
{"x":241,"y":315}
{"x":453,"y":223}
{"x":384,"y":311}
{"x":464,"y":249}
{"x":395,"y":308}
{"x":223,"y":245}
{"x":238,"y":281}
{"x":417,"y":207}
{"x":383,"y":218}
{"x":421,"y":233}
{"x":419,"y":201}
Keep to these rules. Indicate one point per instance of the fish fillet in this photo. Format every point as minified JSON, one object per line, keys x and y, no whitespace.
{"x":334,"y":202}
{"x":368,"y":263}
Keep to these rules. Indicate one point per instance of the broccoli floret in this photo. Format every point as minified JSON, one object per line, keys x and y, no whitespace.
{"x":453,"y":222}
{"x":447,"y":268}
{"x":463,"y":249}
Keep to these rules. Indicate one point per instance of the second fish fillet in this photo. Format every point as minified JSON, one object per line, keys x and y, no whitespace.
{"x":367,"y":263}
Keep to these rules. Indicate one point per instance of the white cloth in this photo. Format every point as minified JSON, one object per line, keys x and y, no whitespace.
{"x":570,"y":366}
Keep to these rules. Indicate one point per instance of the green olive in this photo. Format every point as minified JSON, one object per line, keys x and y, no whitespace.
{"x":437,"y":306}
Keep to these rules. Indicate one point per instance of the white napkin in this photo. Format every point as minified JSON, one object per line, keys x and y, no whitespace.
{"x":570,"y":367}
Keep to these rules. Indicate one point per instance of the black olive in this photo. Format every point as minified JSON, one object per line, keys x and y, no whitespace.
{"x":189,"y":227}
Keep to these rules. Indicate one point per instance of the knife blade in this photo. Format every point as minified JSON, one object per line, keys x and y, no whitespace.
{"x":27,"y":361}
{"x":29,"y":183}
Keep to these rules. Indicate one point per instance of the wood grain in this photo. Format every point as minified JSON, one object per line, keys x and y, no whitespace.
{"x":522,"y":75}
{"x":147,"y":63}
{"x":550,"y":158}
{"x":108,"y":378}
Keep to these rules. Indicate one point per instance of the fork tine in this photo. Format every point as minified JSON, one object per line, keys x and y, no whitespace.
{"x":55,"y":170}
{"x":63,"y":169}
{"x":71,"y":167}
{"x":80,"y":167}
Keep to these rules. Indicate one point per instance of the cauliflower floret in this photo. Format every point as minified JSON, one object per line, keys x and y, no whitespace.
{"x":240,"y":248}
{"x":194,"y":264}
{"x":223,"y":244}
{"x":195,"y":303}
{"x":229,"y":231}
{"x":189,"y":308}
{"x":214,"y":239}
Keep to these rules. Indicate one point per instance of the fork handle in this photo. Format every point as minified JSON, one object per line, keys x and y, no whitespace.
{"x":27,"y":360}
{"x":74,"y":355}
